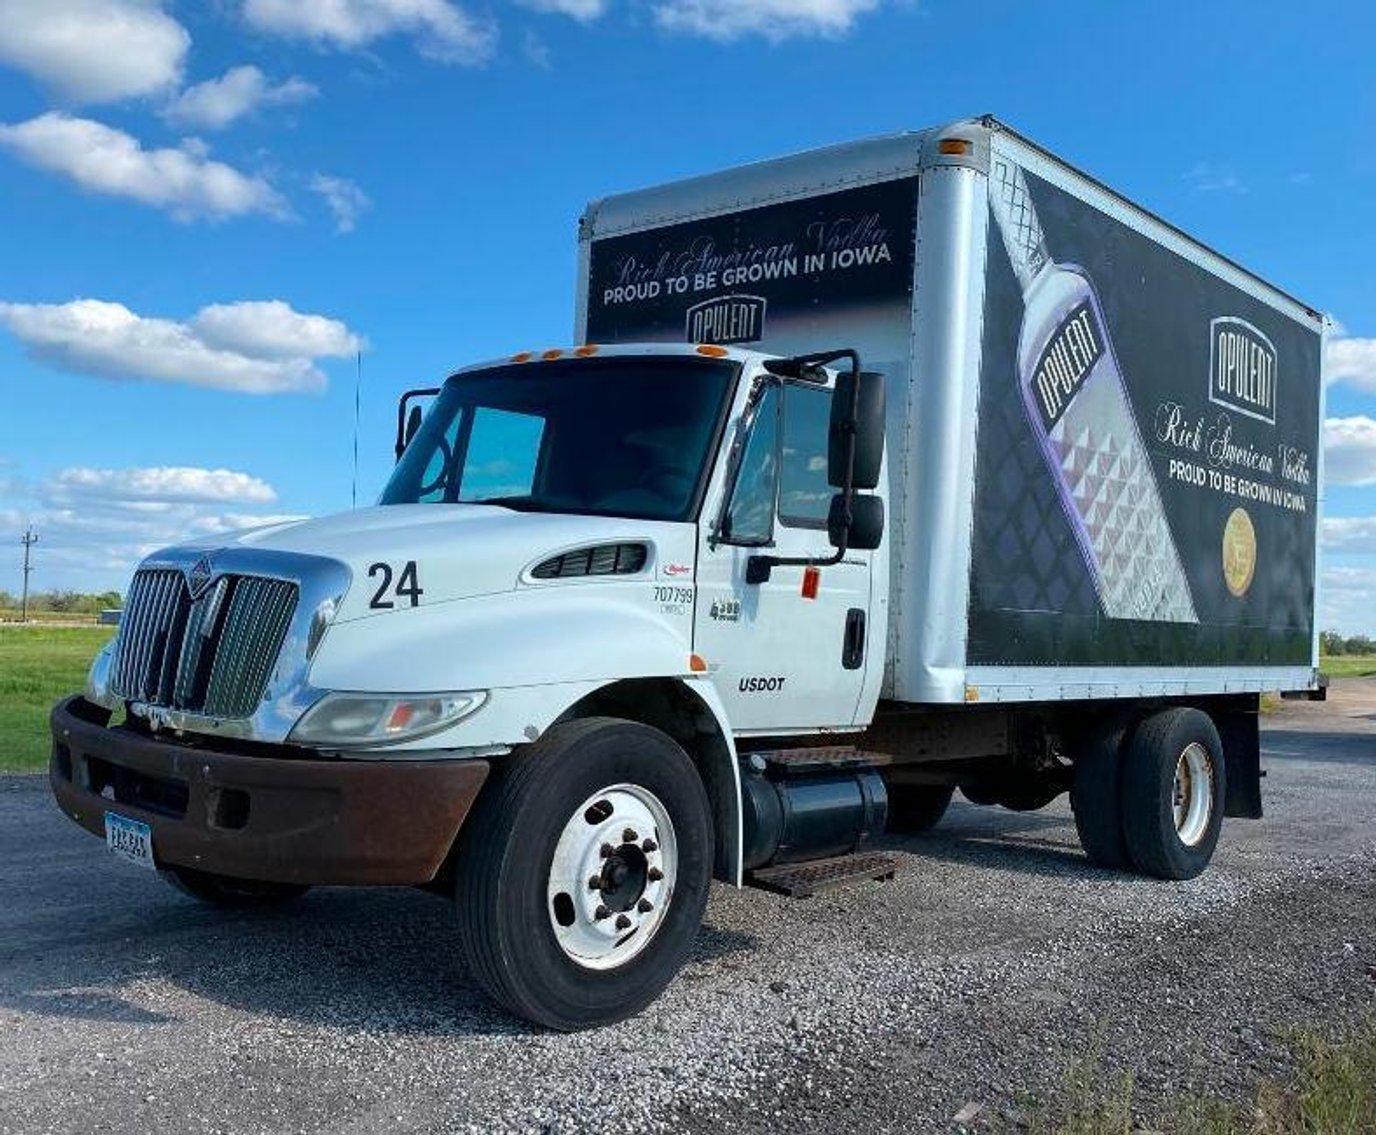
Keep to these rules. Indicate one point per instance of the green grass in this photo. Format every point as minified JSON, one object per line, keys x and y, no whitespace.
{"x":1333,"y":1093}
{"x":1349,"y":665}
{"x":39,"y":665}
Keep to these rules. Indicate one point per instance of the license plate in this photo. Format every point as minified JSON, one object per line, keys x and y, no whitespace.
{"x":129,"y":839}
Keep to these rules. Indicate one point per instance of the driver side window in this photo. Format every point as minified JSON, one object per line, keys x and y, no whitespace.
{"x":750,"y":517}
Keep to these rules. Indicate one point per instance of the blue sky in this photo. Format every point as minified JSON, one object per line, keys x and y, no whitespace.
{"x":210,"y":207}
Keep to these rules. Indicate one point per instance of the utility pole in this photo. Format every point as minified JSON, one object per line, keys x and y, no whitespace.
{"x":29,"y":539}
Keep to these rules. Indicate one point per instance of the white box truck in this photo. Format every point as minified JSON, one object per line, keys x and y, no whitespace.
{"x":918,"y":464}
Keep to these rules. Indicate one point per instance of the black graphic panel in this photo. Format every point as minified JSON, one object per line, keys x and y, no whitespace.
{"x":1145,"y":490}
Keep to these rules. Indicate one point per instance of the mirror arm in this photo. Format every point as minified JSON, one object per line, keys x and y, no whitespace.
{"x":402,"y":403}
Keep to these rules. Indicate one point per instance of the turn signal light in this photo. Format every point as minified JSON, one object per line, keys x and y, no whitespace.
{"x":697,"y":664}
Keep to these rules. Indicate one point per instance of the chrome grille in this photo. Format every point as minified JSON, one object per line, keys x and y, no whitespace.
{"x":212,"y":655}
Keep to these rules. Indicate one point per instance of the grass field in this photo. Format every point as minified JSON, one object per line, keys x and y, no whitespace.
{"x":38,"y":665}
{"x":1349,"y":666}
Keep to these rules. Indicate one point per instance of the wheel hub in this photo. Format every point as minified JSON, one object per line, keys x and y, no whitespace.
{"x":612,"y":876}
{"x":1193,"y":794}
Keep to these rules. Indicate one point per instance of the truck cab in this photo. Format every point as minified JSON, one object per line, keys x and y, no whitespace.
{"x":682,"y":541}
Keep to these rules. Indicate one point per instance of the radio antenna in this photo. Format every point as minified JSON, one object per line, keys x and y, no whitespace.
{"x":358,"y":399}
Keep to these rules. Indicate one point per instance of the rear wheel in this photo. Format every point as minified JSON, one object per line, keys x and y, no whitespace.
{"x":222,"y":890}
{"x":1096,"y":794}
{"x":1172,"y":793}
{"x":583,"y":874}
{"x":917,"y":808}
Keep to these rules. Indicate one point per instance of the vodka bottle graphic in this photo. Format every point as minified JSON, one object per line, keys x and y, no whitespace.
{"x":1074,"y":394}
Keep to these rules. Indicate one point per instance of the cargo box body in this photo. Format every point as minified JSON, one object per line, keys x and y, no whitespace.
{"x":1103,"y":437}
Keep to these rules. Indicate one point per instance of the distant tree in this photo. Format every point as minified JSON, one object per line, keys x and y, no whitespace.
{"x":1331,"y":643}
{"x":63,"y":602}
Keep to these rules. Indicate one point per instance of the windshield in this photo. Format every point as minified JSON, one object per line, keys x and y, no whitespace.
{"x":612,"y":436}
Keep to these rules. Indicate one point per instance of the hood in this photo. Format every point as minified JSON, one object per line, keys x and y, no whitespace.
{"x":460,"y":551}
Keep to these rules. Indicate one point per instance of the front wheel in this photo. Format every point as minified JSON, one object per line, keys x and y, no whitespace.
{"x":583,"y":874}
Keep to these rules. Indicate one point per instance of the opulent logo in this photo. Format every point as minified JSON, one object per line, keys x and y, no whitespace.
{"x":1066,"y":362}
{"x":1242,"y":368}
{"x":727,"y":319}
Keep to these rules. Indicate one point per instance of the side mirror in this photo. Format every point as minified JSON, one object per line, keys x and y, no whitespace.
{"x":865,"y":531}
{"x":857,"y":410}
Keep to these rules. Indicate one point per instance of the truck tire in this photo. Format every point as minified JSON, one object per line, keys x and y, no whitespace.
{"x":916,"y":808}
{"x":223,"y":891}
{"x":1096,"y":794}
{"x":1172,"y":794}
{"x":583,"y":873}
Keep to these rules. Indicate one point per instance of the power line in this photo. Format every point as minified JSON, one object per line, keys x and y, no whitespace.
{"x":29,"y":539}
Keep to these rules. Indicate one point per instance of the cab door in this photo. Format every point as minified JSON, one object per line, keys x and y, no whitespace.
{"x":784,"y":658}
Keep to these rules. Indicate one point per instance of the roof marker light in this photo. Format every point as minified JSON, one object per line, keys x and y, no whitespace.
{"x":587,"y":350}
{"x":550,"y":356}
{"x":954,"y":146}
{"x":523,"y":357}
{"x":712,"y":351}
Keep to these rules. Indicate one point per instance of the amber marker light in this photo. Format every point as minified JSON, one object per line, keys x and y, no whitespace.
{"x":713,"y":352}
{"x":550,"y":356}
{"x":697,"y":664}
{"x":587,"y":350}
{"x":954,"y":146}
{"x":523,"y":357}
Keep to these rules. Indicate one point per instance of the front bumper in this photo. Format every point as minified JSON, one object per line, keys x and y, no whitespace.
{"x":274,"y":817}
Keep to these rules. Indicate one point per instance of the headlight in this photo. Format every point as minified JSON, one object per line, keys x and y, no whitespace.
{"x":365,"y":721}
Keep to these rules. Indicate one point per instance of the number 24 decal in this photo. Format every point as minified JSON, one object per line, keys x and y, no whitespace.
{"x":408,"y":585}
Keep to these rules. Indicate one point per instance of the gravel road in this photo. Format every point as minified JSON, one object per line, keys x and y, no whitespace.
{"x":994,"y":961}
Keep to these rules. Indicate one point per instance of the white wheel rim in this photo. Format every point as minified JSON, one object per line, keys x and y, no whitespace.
{"x":1193,"y":794}
{"x":612,"y":877}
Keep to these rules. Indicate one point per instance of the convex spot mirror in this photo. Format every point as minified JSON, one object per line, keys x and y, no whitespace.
{"x":866,"y":529}
{"x":857,"y":409}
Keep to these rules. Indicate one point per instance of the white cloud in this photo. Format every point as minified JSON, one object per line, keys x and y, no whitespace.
{"x":184,"y":182}
{"x":166,"y":483}
{"x":1353,"y":361}
{"x":93,"y":50}
{"x":1349,"y":450}
{"x":216,"y":103}
{"x":1208,"y":178}
{"x":776,"y":20}
{"x":1350,"y":534}
{"x":345,"y":200}
{"x":1345,"y":600}
{"x":441,"y":30}
{"x":252,"y":348}
{"x":582,"y":10}
{"x":536,"y":50}
{"x":271,"y":329}
{"x":94,"y":525}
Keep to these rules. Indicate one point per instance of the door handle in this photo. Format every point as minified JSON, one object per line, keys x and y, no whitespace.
{"x":853,"y":649}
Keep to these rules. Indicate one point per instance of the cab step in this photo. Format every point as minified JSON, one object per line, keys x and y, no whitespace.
{"x":803,"y":880}
{"x":803,"y":761}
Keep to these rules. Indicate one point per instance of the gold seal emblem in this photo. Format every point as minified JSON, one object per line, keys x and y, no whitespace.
{"x":1239,"y":552}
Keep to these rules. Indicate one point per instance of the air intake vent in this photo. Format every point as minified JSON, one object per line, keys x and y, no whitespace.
{"x":603,"y":559}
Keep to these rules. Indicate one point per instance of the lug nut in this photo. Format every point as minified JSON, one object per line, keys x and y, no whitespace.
{"x":648,"y":846}
{"x":595,"y":883}
{"x":655,"y":874}
{"x":622,"y":922}
{"x":606,"y":851}
{"x":644,"y":906}
{"x":600,"y":913}
{"x":629,"y":836}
